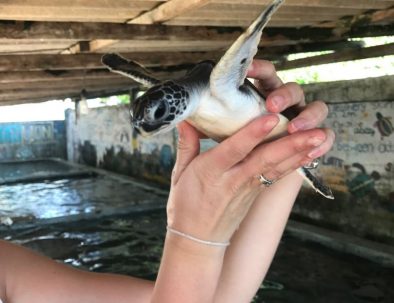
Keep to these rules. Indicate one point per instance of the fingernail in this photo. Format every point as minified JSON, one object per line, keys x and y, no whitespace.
{"x":299,"y":124}
{"x":278,"y":102}
{"x":315,"y":153}
{"x":315,"y":141}
{"x":271,"y":122}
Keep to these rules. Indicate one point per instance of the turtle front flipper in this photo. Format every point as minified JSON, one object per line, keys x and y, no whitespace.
{"x":130,"y":69}
{"x":229,"y":74}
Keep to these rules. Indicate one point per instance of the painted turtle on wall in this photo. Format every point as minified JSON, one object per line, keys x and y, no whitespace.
{"x":384,"y":125}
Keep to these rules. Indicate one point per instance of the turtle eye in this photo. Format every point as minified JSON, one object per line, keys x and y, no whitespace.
{"x":161,"y":111}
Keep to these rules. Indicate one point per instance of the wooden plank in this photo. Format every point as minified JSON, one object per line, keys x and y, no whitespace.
{"x":62,"y":10}
{"x":54,"y":76}
{"x":168,"y":11}
{"x":66,"y":15}
{"x":340,"y":56}
{"x":164,"y":12}
{"x":66,"y":83}
{"x":109,"y":31}
{"x":242,"y":8}
{"x":249,"y":16}
{"x":164,"y":46}
{"x":93,"y":61}
{"x":84,"y":4}
{"x":361,"y":4}
{"x":56,"y":93}
{"x":383,"y":16}
{"x":81,"y":75}
{"x":234,"y":23}
{"x":159,"y":61}
{"x":60,"y":95}
{"x":25,"y":46}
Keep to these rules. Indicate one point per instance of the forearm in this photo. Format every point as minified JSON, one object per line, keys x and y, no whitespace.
{"x":189,"y":271}
{"x":253,"y":246}
{"x":29,"y":277}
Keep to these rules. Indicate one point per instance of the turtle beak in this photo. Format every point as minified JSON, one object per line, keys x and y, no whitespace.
{"x":147,"y":129}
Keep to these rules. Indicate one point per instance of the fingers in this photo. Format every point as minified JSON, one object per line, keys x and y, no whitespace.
{"x":265,"y":74}
{"x":321,"y":149}
{"x":235,"y":148}
{"x":283,"y":155}
{"x":287,"y":95}
{"x":290,"y":99}
{"x":312,"y":116}
{"x":305,"y":157}
{"x":188,"y":149}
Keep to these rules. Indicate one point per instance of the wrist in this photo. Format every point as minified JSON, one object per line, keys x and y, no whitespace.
{"x":189,"y":271}
{"x":188,"y":247}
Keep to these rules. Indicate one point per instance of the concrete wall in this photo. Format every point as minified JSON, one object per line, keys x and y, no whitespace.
{"x":104,"y":138}
{"x":32,"y":140}
{"x":359,"y":169}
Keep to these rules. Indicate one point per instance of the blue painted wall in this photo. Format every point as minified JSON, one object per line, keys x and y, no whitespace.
{"x":32,"y":140}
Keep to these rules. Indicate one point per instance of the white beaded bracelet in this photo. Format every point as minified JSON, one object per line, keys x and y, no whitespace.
{"x":211,"y":243}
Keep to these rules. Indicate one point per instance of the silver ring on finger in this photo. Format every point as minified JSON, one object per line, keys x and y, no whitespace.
{"x":264,"y":181}
{"x":313,"y":165}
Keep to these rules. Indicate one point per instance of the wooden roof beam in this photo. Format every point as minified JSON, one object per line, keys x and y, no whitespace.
{"x":78,"y":10}
{"x":60,"y":75}
{"x":69,"y":83}
{"x":164,"y":12}
{"x":360,"y":4}
{"x":107,"y":33}
{"x":61,"y":94}
{"x":93,"y":61}
{"x":340,"y":56}
{"x":379,"y":17}
{"x":160,"y":60}
{"x":168,"y":11}
{"x":110,"y":31}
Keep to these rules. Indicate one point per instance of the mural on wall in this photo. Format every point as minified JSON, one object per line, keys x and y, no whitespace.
{"x":30,"y":140}
{"x":363,"y":149}
{"x":359,"y":169}
{"x":105,"y":138}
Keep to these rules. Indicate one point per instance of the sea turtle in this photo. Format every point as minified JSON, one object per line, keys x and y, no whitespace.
{"x":384,"y":125}
{"x":217,"y":99}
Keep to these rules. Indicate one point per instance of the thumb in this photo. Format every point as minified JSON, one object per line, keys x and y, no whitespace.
{"x":188,"y":149}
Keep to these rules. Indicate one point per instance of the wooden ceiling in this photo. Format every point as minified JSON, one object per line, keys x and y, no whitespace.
{"x":52,"y":48}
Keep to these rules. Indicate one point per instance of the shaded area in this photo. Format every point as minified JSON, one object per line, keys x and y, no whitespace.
{"x":108,"y":224}
{"x":132,"y":244}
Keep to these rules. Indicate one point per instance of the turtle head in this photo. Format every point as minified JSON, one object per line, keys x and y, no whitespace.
{"x":160,"y":108}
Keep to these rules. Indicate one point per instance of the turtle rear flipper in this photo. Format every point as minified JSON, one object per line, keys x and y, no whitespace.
{"x":315,"y":183}
{"x":229,"y":74}
{"x":130,"y":69}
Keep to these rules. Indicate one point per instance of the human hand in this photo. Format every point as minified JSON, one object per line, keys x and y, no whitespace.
{"x":289,"y":100}
{"x":212,"y":192}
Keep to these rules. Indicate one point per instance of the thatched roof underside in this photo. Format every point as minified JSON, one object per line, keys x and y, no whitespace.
{"x":51,"y":48}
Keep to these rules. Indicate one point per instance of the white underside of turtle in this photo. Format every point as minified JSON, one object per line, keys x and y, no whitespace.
{"x":215,"y":98}
{"x":218,"y":119}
